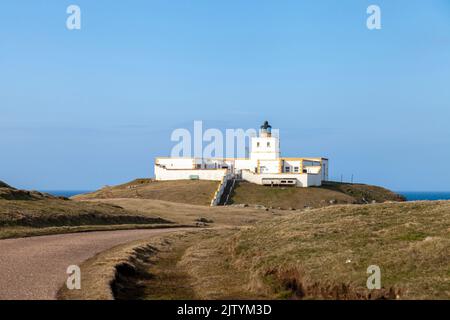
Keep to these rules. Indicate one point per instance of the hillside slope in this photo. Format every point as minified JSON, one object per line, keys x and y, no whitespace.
{"x":199,"y":192}
{"x":4,"y":185}
{"x":9,"y":193}
{"x":316,"y":254}
{"x":315,"y":197}
{"x":25,"y":213}
{"x":325,"y":253}
{"x":14,"y":194}
{"x":54,"y":212}
{"x":364,"y":193}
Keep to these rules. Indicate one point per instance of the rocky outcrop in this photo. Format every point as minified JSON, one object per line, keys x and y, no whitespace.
{"x":4,"y":185}
{"x":9,"y":193}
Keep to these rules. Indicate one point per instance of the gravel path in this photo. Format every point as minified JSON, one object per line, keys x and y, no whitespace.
{"x":35,"y":268}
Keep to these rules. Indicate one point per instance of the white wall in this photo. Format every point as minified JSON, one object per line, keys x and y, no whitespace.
{"x":292,"y":164}
{"x":303,"y":180}
{"x":312,"y":180}
{"x":185,"y":174}
{"x":270,"y":166}
{"x":175,"y":163}
{"x":263,"y":151}
{"x":245,"y":164}
{"x":207,"y":163}
{"x":315,"y":169}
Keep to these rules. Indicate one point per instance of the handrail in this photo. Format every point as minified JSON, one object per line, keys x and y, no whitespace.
{"x":231,"y":189}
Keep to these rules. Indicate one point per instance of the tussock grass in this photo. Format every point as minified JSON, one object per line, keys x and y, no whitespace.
{"x":200,"y":192}
{"x":4,"y":185}
{"x":50,"y":213}
{"x":47,"y":216}
{"x":329,"y":193}
{"x":324,"y":253}
{"x":316,"y":254}
{"x":363,"y":193}
{"x":188,"y":214}
{"x":197,"y":192}
{"x":22,"y":232}
{"x":119,"y":273}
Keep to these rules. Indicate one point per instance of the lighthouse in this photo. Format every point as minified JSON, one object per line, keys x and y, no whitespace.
{"x":265,"y":146}
{"x":264,"y":166}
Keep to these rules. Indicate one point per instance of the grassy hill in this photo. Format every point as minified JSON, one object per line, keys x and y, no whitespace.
{"x":325,"y":253}
{"x":4,"y":185}
{"x":363,"y":193}
{"x":54,"y":212}
{"x":182,"y":213}
{"x":14,"y":194}
{"x":315,"y":254}
{"x":315,"y":197}
{"x":199,"y":192}
{"x":9,"y":193}
{"x":25,"y":213}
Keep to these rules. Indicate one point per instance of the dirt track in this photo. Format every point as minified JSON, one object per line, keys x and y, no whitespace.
{"x":35,"y":268}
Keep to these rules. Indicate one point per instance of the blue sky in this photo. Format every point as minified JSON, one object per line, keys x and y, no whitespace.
{"x":82,"y":109}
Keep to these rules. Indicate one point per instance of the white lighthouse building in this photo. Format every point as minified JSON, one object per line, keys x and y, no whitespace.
{"x":265,"y":166}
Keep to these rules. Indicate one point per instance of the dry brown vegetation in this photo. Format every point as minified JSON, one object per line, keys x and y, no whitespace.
{"x":315,"y":197}
{"x":198,"y":192}
{"x":188,"y":214}
{"x":324,"y":253}
{"x":315,"y":254}
{"x":4,"y":185}
{"x":27,"y":213}
{"x":51,"y":213}
{"x":253,"y":253}
{"x":43,"y":214}
{"x":364,"y":193}
{"x":102,"y":274}
{"x":9,"y":193}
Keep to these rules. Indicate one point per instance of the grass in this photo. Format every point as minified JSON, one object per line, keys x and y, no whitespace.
{"x":251,"y":253}
{"x":165,"y":279}
{"x":19,"y":218}
{"x":363,"y":193}
{"x":188,"y":214}
{"x":315,"y":254}
{"x":286,"y":197}
{"x":162,"y":268}
{"x":324,"y":253}
{"x":314,"y":197}
{"x":4,"y":185}
{"x":213,"y":273}
{"x":197,"y":192}
{"x":200,"y":192}
{"x":100,"y":272}
{"x":22,"y":232}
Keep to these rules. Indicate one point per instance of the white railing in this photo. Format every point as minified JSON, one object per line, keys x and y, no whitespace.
{"x":220,"y":189}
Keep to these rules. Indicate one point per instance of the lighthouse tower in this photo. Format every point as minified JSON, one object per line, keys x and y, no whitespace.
{"x":265,"y":146}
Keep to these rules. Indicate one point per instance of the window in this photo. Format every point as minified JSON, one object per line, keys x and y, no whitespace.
{"x":287,"y":169}
{"x":268,"y":144}
{"x":295,"y":169}
{"x":257,"y":144}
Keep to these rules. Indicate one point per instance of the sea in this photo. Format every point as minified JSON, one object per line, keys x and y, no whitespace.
{"x":409,"y":195}
{"x":424,"y":195}
{"x":65,"y":193}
